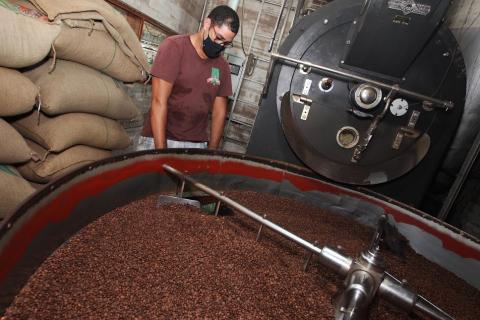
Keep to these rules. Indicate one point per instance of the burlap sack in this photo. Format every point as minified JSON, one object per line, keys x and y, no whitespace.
{"x":96,"y":49}
{"x":101,"y":12}
{"x":13,"y":148}
{"x":14,"y":189}
{"x":73,"y":87}
{"x":56,"y":165}
{"x":24,"y":41}
{"x":59,"y":133}
{"x":17,"y":93}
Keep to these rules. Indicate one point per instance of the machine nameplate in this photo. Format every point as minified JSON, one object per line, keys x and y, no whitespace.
{"x":398,"y":19}
{"x":409,"y":6}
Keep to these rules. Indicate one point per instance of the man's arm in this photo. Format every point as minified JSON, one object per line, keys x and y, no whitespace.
{"x":219,"y":112}
{"x":161,"y":91}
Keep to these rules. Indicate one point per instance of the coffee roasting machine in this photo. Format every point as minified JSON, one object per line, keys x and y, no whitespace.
{"x":366,"y":93}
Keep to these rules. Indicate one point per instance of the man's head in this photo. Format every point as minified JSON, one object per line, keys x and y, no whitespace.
{"x":225,"y":16}
{"x":219,"y":29}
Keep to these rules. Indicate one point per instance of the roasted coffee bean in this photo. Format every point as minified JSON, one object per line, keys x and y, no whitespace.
{"x":177,"y":262}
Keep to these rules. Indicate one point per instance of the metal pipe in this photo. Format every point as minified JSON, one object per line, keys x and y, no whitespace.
{"x":395,"y":292}
{"x":300,"y":6}
{"x":354,"y":302}
{"x":332,"y":72}
{"x":331,"y":258}
{"x":203,"y":15}
{"x":268,"y":77}
{"x":424,"y":306}
{"x":277,"y":24}
{"x":284,"y":26}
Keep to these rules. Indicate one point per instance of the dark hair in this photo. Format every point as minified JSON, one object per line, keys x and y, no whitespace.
{"x":225,"y":15}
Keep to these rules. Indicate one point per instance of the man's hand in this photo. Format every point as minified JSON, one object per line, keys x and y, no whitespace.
{"x":161,"y":91}
{"x":219,"y":112}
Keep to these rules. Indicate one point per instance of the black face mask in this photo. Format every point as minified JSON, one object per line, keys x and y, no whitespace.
{"x":211,"y":48}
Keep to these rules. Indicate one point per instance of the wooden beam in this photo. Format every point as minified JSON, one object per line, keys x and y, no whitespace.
{"x":136,"y":19}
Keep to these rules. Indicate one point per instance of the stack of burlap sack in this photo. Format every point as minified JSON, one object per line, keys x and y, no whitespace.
{"x":61,"y":68}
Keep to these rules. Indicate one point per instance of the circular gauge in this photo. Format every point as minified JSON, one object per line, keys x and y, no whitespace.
{"x":399,"y":107}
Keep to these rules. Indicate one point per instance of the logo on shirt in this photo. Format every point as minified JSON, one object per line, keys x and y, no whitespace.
{"x":214,"y":77}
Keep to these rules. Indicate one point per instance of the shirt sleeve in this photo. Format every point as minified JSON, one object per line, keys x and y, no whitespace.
{"x":166,"y":65}
{"x":225,"y":89}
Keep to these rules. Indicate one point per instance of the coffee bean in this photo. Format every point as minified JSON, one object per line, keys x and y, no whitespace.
{"x":176,"y":262}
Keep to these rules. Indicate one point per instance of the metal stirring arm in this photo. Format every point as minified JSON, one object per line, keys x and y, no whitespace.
{"x":394,"y":291}
{"x":329,"y":257}
{"x":365,"y":276}
{"x":362,"y":281}
{"x":357,"y":152}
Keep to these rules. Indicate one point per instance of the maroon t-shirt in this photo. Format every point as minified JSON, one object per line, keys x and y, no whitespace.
{"x":196,"y":83}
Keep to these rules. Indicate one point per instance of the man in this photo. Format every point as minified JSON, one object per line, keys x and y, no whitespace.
{"x":190,"y":79}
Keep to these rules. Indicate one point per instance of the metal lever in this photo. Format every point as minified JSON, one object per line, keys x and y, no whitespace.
{"x":357,"y":152}
{"x":407,"y":132}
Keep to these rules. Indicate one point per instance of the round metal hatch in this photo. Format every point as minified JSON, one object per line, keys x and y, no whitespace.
{"x":313,"y":116}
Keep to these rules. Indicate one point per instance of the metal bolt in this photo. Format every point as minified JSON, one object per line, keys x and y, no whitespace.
{"x":354,"y":21}
{"x":325,"y":21}
{"x":342,"y":62}
{"x":348,"y":42}
{"x":446,"y":54}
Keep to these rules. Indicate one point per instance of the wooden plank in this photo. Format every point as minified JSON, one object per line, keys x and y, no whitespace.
{"x":133,"y":13}
{"x":167,"y":12}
